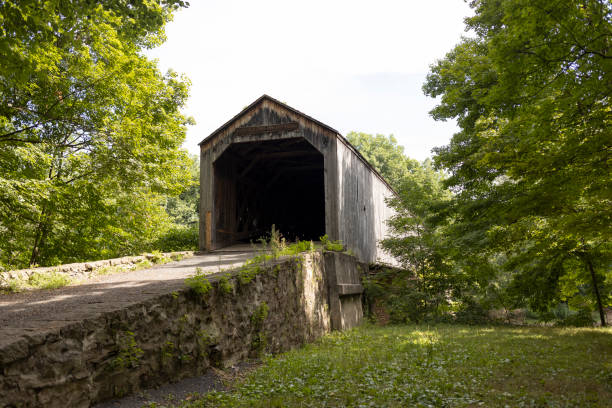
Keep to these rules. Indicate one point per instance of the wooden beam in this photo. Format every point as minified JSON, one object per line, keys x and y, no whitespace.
{"x":295,"y":153}
{"x":249,"y":167}
{"x":303,"y":168}
{"x":254,"y":130}
{"x":272,"y":181}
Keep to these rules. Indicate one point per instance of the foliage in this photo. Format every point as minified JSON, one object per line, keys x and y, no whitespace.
{"x":530,"y":165}
{"x":417,"y":236}
{"x":37,"y":280}
{"x":259,"y":315}
{"x":418,"y":240}
{"x":399,"y":366}
{"x":178,"y":238}
{"x":90,"y":130}
{"x":330,"y":245}
{"x":405,"y":297}
{"x":384,"y":154}
{"x":49,"y":280}
{"x":184,"y":209}
{"x":129,"y":352}
{"x":199,"y":283}
{"x":271,"y":249}
{"x":225,"y":285}
{"x":582,"y":318}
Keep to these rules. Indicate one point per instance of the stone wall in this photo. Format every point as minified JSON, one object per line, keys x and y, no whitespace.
{"x":84,"y":270}
{"x":244,"y":313}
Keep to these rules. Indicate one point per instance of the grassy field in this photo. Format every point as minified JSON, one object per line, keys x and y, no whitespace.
{"x":439,"y":366}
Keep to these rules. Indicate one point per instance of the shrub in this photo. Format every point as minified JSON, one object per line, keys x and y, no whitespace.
{"x":582,"y":318}
{"x":329,"y":245}
{"x":225,"y":285}
{"x":51,"y":280}
{"x":472,"y":313}
{"x":178,"y":238}
{"x":198,"y":283}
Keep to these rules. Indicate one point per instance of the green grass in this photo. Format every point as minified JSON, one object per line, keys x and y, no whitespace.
{"x":441,"y":366}
{"x":49,"y":280}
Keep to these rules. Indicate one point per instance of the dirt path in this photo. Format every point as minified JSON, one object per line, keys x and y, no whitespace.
{"x":170,"y":395}
{"x":35,"y":312}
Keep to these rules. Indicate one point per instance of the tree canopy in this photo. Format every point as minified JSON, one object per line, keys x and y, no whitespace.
{"x":90,"y":130}
{"x":385,"y":154}
{"x":530,"y":167}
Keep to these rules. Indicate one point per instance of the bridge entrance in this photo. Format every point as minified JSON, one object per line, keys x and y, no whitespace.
{"x":258,"y":184}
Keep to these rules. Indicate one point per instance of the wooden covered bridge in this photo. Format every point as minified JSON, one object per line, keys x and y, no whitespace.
{"x":272,"y":164}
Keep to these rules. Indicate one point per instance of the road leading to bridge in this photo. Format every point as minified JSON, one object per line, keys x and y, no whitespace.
{"x":34,"y":313}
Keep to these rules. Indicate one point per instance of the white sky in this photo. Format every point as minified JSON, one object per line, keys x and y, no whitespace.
{"x":354,"y":65}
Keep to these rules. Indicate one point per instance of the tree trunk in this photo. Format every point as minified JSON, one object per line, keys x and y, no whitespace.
{"x":41,"y":233}
{"x":35,"y":251}
{"x":596,"y":289}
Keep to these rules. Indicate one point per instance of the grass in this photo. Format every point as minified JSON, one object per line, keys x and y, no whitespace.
{"x":198,"y":282}
{"x":50,"y":280}
{"x":38,"y":280}
{"x":441,"y":366}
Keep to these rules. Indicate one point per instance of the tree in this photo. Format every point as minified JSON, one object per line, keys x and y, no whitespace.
{"x":384,"y":154}
{"x":530,"y":166}
{"x":90,"y":131}
{"x":416,"y":238}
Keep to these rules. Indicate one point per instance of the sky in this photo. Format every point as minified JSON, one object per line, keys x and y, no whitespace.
{"x":353,"y":65}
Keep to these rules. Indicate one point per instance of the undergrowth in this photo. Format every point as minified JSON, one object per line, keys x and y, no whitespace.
{"x":439,"y":366}
{"x":199,"y":283}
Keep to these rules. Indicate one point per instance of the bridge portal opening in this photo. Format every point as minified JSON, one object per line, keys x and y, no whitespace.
{"x":258,"y":184}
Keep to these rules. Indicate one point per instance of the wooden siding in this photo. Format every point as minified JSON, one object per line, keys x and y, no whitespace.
{"x":355,"y":208}
{"x":362,"y":211}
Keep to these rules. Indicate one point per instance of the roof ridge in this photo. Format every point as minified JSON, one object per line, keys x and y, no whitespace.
{"x":257,"y":102}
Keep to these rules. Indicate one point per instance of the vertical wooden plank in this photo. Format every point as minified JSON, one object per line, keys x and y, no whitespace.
{"x":206,"y":195}
{"x":208,"y":230}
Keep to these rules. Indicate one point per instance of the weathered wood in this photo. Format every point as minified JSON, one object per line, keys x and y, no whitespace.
{"x":208,"y":230}
{"x":278,"y":155}
{"x":249,"y":167}
{"x":254,"y":130}
{"x":265,"y":160}
{"x":347,"y":289}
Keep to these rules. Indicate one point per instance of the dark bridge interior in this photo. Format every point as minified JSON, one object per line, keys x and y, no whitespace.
{"x":258,"y":184}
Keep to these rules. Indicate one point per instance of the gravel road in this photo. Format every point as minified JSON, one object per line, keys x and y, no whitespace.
{"x":37,"y":311}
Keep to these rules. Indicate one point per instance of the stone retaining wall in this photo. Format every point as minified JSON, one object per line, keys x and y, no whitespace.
{"x":282,"y":305}
{"x":83,"y":270}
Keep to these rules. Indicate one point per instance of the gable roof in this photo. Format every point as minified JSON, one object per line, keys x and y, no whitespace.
{"x":253,"y":105}
{"x":264,"y":97}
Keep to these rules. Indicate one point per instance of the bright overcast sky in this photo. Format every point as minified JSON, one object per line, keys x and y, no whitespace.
{"x":354,"y":65}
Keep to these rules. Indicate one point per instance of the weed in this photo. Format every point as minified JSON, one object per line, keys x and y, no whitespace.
{"x":225,"y":285}
{"x":144,"y":264}
{"x":107,"y":270}
{"x":259,"y":315}
{"x":329,"y":245}
{"x":50,"y":280}
{"x":248,"y":272}
{"x":129,"y":352}
{"x":167,"y":351}
{"x":177,"y":257}
{"x":158,"y":258}
{"x":258,"y":344}
{"x":408,"y":365}
{"x":198,"y":283}
{"x":185,"y":358}
{"x":14,"y":286}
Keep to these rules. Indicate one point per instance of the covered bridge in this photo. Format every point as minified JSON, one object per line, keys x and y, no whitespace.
{"x":272,"y":164}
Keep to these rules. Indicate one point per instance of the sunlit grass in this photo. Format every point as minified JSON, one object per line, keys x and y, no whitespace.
{"x":399,"y":366}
